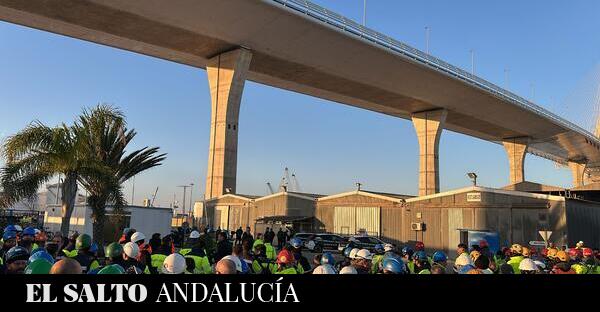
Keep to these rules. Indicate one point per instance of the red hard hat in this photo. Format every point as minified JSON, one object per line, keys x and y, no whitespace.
{"x":588,"y":252}
{"x":532,"y":250}
{"x":483,"y":243}
{"x":544,"y":252}
{"x":285,"y":257}
{"x":419,"y":246}
{"x":574,"y":253}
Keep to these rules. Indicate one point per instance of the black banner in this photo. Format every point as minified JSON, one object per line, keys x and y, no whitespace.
{"x":342,"y":290}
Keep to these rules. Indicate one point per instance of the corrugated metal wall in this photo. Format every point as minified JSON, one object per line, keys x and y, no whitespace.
{"x":351,"y":220}
{"x":344,"y":220}
{"x":583,"y":219}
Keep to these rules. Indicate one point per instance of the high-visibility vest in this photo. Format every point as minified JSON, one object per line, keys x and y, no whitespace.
{"x":258,"y":267}
{"x":514,"y":263}
{"x":425,"y":271}
{"x":70,"y":254}
{"x":411,"y":267}
{"x":375,"y":263}
{"x":202,"y":264}
{"x":257,"y":242}
{"x":157,"y":260}
{"x":579,"y":268}
{"x":288,"y":271}
{"x":270,"y":251}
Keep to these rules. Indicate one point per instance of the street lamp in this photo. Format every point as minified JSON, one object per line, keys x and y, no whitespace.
{"x":191,"y":198}
{"x":473,"y":177}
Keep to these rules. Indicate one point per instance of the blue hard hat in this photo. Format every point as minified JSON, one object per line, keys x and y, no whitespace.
{"x":42,"y":254}
{"x":439,"y":256}
{"x":10,"y":228}
{"x":407,"y":251}
{"x":347,"y":251}
{"x":28,"y":231}
{"x":94,"y":248}
{"x":393,"y":265}
{"x":296,"y":242}
{"x":37,"y":249}
{"x":378,"y":247}
{"x":327,"y":258}
{"x":16,"y":253}
{"x":465,"y":269}
{"x":9,"y":235}
{"x":420,"y":255}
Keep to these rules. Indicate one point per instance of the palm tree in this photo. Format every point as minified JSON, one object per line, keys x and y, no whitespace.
{"x":38,"y":153}
{"x":104,"y":130}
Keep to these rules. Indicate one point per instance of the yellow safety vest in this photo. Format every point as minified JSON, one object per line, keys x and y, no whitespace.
{"x":257,"y":242}
{"x":514,"y":263}
{"x":270,"y":251}
{"x":288,"y":271}
{"x":70,"y":254}
{"x":202,"y":264}
{"x":258,"y":267}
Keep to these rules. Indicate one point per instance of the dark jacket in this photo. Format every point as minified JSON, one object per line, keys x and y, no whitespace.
{"x":223,"y":249}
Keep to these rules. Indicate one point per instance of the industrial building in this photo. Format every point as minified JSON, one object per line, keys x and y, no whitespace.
{"x":438,"y":219}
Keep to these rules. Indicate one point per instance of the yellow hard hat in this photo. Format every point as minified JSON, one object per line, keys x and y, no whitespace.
{"x":516,"y":249}
{"x":562,"y":256}
{"x":526,"y":252}
{"x":475,"y":254}
{"x":552,"y":253}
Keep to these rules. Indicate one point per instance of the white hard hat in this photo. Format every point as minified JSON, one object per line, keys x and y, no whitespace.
{"x":131,"y":250}
{"x":174,"y":264}
{"x":353,"y":253}
{"x":364,"y":254}
{"x":463,"y":260}
{"x":388,"y":247}
{"x":348,"y":270}
{"x":138,"y":236}
{"x":236,"y":260}
{"x":527,"y":265}
{"x":194,"y":234}
{"x":324,"y":269}
{"x":18,"y":228}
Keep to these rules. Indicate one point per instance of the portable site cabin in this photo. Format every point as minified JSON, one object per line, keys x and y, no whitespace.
{"x":285,"y":209}
{"x":230,"y":211}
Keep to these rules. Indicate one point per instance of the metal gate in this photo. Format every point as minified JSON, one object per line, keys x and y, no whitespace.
{"x":352,"y":220}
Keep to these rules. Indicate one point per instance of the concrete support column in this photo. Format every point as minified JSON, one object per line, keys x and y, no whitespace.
{"x":578,"y":171}
{"x":429,"y":126}
{"x":516,"y":148}
{"x":226,"y":77}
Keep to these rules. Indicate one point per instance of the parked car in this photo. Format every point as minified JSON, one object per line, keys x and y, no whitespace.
{"x":362,"y":242}
{"x":331,"y":241}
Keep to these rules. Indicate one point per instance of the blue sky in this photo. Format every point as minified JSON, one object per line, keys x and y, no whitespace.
{"x":329,"y":146}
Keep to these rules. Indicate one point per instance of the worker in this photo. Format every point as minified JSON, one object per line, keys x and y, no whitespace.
{"x":563,"y":265}
{"x":159,"y":255}
{"x":225,"y":266}
{"x":575,"y":255}
{"x":174,"y":264}
{"x":346,"y":261}
{"x":54,"y":246}
{"x":191,"y":241}
{"x":40,"y":239}
{"x":421,"y":261}
{"x":223,"y":246}
{"x":112,"y":269}
{"x":286,"y":263}
{"x":261,"y":263}
{"x":590,"y":262}
{"x":439,"y":259}
{"x":258,"y":240}
{"x":84,"y":256}
{"x":302,"y":264}
{"x":462,"y":248}
{"x":462,"y":261}
{"x":419,"y":246}
{"x":238,"y":251}
{"x":130,"y":263}
{"x":528,"y":266}
{"x":363,"y":262}
{"x":38,"y":266}
{"x":407,"y":256}
{"x":27,"y":238}
{"x":483,"y":264}
{"x":66,"y":266}
{"x":393,"y":266}
{"x":516,"y":251}
{"x":237,"y":261}
{"x":348,"y":270}
{"x":198,"y":254}
{"x":484,"y":248}
{"x":271,"y":253}
{"x":10,"y":240}
{"x":40,"y":254}
{"x":114,"y":254}
{"x":324,"y":269}
{"x":144,"y":256}
{"x":16,"y":260}
{"x":327,"y":259}
{"x":377,"y":258}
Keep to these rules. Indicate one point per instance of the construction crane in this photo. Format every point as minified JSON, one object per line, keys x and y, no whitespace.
{"x":154,"y":197}
{"x":285,"y":180}
{"x":296,"y":183}
{"x":270,"y":188}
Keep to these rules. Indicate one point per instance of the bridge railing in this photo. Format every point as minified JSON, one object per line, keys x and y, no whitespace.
{"x":347,"y":25}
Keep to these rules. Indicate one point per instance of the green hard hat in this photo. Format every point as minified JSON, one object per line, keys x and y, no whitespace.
{"x":114,"y":250}
{"x":83,"y":241}
{"x":112,"y":269}
{"x":38,"y":266}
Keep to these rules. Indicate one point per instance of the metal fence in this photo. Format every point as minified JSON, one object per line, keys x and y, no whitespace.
{"x":351,"y":27}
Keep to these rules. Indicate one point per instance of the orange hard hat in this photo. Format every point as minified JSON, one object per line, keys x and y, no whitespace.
{"x":562,"y":256}
{"x":525,"y":251}
{"x":552,"y":253}
{"x":285,"y":257}
{"x":474,"y":255}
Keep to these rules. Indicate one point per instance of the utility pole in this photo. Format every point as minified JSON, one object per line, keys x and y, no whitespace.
{"x":472,"y":62}
{"x":191,"y":198}
{"x":184,"y":193}
{"x":132,"y":190}
{"x":364,"y":13}
{"x":427,"y":31}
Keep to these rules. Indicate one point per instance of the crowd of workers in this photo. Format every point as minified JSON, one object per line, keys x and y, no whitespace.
{"x":31,"y":251}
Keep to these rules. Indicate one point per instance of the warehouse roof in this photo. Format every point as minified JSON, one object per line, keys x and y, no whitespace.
{"x":306,"y":196}
{"x":527,"y":186}
{"x":238,"y":196}
{"x":588,"y":187}
{"x":487,"y":190}
{"x":384,"y":196}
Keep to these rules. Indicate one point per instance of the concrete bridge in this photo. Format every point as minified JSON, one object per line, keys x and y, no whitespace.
{"x":298,"y":46}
